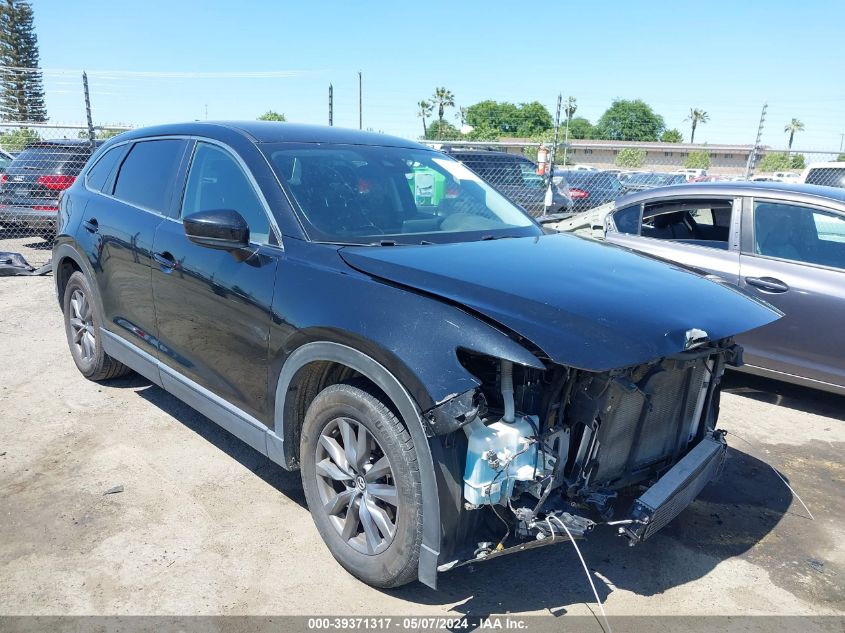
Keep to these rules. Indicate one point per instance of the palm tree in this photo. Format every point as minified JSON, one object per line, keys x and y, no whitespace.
{"x":443,"y":99}
{"x":461,"y":115}
{"x":425,"y":111}
{"x":570,"y":108}
{"x":794,"y":126}
{"x":696,"y":116}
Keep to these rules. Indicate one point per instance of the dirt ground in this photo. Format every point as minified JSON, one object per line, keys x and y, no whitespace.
{"x":206,"y":525}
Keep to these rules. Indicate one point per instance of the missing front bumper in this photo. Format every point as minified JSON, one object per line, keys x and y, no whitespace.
{"x":675,"y":490}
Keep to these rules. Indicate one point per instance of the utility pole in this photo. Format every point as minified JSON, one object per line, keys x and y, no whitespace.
{"x":752,"y":157}
{"x":331,"y":105}
{"x":360,"y":102}
{"x":551,"y":168}
{"x":92,"y":137}
{"x":841,"y":138}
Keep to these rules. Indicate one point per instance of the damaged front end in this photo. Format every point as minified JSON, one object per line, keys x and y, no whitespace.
{"x":542,"y":454}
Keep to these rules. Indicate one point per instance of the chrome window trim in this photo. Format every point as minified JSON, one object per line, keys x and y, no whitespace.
{"x":193,"y":137}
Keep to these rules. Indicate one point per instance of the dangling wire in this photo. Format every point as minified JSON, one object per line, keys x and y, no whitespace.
{"x":586,"y":571}
{"x":781,"y":477}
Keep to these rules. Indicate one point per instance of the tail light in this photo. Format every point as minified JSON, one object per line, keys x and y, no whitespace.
{"x":44,"y":208}
{"x":578,"y":194}
{"x":4,"y":178}
{"x":56,"y":182}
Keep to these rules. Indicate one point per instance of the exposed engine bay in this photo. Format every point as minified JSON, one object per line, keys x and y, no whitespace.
{"x":556,"y":453}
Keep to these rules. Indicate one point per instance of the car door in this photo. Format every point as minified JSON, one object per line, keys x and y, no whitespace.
{"x":213,"y":306}
{"x":132,"y":185}
{"x":793,"y":256}
{"x":693,"y":231}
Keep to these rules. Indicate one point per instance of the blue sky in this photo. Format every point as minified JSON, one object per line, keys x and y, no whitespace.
{"x":726,"y":57}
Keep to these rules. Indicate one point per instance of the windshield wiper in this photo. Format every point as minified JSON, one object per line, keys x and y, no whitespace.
{"x":395,"y":243}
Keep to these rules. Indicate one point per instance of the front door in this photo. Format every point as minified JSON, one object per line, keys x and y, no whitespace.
{"x":213,"y":306}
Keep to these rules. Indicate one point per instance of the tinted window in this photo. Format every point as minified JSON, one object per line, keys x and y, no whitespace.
{"x":99,"y":174}
{"x":627,"y":220}
{"x":146,"y":176}
{"x":216,"y":181}
{"x":801,"y":234}
{"x":50,"y":159}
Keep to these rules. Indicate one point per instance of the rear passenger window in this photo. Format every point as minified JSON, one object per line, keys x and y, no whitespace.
{"x":146,"y":176}
{"x":102,"y":169}
{"x":627,"y":220}
{"x":698,"y":222}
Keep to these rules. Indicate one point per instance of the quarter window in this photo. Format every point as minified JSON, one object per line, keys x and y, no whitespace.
{"x":216,"y":181}
{"x":99,"y":174}
{"x":798,"y":233}
{"x":146,"y":175}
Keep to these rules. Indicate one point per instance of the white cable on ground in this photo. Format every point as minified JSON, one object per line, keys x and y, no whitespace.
{"x":781,"y":477}
{"x":586,"y":571}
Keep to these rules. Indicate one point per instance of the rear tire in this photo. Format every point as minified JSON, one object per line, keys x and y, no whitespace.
{"x":82,"y":327}
{"x":363,"y":491}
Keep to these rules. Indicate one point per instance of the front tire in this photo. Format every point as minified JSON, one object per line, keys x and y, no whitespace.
{"x":82,"y":326}
{"x":362,"y":484}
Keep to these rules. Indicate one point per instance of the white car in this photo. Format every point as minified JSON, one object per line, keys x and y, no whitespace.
{"x":828,"y":174}
{"x":692,"y":173}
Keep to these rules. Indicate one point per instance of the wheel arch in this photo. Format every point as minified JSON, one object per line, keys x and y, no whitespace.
{"x":66,"y":261}
{"x":292,"y":384}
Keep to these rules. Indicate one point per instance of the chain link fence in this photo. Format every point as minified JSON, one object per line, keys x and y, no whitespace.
{"x":38,"y":162}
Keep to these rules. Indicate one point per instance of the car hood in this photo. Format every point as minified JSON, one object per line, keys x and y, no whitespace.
{"x":585,"y":304}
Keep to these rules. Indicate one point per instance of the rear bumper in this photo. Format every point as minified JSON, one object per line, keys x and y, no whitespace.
{"x":28,"y":217}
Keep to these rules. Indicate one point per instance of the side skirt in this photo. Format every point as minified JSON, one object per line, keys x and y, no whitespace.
{"x":237,"y":422}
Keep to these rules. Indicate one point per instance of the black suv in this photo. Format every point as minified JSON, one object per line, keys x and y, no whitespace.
{"x":516,"y":177}
{"x":33,"y":181}
{"x":453,"y":383}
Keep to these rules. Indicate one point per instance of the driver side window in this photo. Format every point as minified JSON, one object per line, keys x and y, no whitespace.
{"x":216,"y":181}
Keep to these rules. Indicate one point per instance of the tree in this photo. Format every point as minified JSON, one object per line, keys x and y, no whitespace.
{"x":697,"y":160}
{"x":424,"y":110}
{"x":776,"y":161}
{"x":840,"y":158}
{"x":16,"y":140}
{"x":630,"y":157}
{"x":695,"y":117}
{"x":21,"y":87}
{"x":581,"y":128}
{"x":798,"y":161}
{"x":503,"y":117}
{"x":443,"y":131}
{"x":272,"y":115}
{"x":533,"y":118}
{"x":672,"y":136}
{"x":792,"y":127}
{"x":630,"y":121}
{"x":443,"y":99}
{"x":570,"y":108}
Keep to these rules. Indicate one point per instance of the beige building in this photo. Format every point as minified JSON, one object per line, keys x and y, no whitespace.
{"x":724,"y":159}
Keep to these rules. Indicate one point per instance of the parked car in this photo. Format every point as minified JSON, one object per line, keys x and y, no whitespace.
{"x":784,"y":243}
{"x":516,"y":177}
{"x":590,"y":189}
{"x":34,"y":179}
{"x":650,"y":180}
{"x":440,"y":372}
{"x":692,"y":173}
{"x":827,"y":174}
{"x":5,"y":159}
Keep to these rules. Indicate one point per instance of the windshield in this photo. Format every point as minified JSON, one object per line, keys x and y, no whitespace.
{"x":363,"y":194}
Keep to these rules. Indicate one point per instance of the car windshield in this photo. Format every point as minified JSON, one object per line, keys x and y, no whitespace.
{"x":363,"y":194}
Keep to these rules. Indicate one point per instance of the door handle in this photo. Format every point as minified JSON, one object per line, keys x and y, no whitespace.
{"x":165,"y":260}
{"x":91,"y":225}
{"x":767,"y":284}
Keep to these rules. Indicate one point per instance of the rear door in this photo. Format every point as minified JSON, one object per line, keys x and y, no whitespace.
{"x":793,"y":256}
{"x":119,"y":224}
{"x":213,"y":306}
{"x":698,"y":232}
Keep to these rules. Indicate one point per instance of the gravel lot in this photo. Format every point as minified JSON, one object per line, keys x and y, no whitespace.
{"x":206,"y":525}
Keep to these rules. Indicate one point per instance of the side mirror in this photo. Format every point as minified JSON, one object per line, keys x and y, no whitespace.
{"x":223,"y":229}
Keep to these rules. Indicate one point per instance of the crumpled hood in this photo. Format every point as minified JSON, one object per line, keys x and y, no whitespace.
{"x":586,"y":304}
